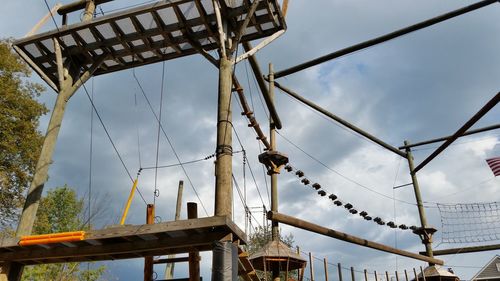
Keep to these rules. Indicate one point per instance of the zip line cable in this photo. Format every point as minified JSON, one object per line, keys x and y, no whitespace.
{"x":169,"y":142}
{"x":137,"y":129}
{"x":97,"y":113}
{"x":157,"y":191}
{"x":347,"y":178}
{"x":183,"y":163}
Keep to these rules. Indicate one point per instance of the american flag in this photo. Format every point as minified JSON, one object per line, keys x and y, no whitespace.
{"x":494,"y":164}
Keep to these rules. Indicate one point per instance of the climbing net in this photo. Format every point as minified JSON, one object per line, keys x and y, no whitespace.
{"x":468,"y":223}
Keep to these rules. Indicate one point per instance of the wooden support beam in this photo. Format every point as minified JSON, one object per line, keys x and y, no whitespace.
{"x":384,"y":38}
{"x":464,"y":250}
{"x":78,"y":5}
{"x":194,"y":257}
{"x":148,"y":261}
{"x":254,"y":64}
{"x":469,"y":132}
{"x":171,"y":260}
{"x":485,"y":109}
{"x":340,"y":120}
{"x":346,"y":237}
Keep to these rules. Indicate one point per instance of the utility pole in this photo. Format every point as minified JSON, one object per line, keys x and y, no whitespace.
{"x":425,"y":233}
{"x":70,"y":80}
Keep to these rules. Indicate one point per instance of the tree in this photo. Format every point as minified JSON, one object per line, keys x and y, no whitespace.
{"x":262,"y":236}
{"x":20,"y":141}
{"x":61,"y":211}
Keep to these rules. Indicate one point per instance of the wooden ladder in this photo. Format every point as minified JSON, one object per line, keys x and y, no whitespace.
{"x":245,"y":267}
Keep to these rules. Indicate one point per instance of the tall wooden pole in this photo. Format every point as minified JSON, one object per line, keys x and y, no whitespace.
{"x":224,"y":150}
{"x":148,"y":261}
{"x":426,"y":240}
{"x":194,"y":257}
{"x":13,"y":272}
{"x":169,"y":270}
{"x":325,"y":263}
{"x":311,"y":266}
{"x":224,"y":249}
{"x":274,"y":176}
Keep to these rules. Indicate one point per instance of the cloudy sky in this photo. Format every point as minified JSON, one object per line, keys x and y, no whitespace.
{"x":417,"y":87}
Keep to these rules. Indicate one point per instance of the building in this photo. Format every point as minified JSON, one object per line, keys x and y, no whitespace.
{"x":491,"y":271}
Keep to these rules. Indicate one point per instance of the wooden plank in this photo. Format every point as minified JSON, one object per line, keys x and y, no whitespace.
{"x":274,"y":216}
{"x":112,"y":244}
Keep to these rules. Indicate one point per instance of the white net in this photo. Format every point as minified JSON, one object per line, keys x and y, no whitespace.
{"x":469,"y":223}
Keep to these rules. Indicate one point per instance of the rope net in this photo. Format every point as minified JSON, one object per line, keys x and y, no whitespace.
{"x":469,"y":223}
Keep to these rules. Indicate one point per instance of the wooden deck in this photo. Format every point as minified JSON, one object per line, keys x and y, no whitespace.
{"x":125,"y":242}
{"x":155,"y":32}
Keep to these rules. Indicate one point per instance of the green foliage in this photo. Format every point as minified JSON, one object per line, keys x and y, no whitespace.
{"x":20,"y":141}
{"x":60,"y":211}
{"x":261,"y":236}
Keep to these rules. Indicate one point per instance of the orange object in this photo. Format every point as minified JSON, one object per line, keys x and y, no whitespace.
{"x":52,"y":238}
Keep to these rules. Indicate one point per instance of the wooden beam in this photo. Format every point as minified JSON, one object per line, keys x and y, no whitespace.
{"x":148,"y":260}
{"x":464,"y":250}
{"x":485,"y":109}
{"x":340,"y":120}
{"x":78,"y":5}
{"x":123,"y":242}
{"x":274,"y":216}
{"x":36,"y":68}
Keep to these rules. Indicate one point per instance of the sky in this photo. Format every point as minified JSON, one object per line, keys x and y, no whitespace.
{"x":417,"y":87}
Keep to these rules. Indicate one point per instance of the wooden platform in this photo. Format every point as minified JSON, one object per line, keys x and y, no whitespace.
{"x":155,"y":32}
{"x":125,"y":242}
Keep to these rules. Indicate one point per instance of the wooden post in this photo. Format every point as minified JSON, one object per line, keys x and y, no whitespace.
{"x":416,"y":276}
{"x":406,"y":275}
{"x":311,"y":266}
{"x":353,"y":278}
{"x":300,"y":272}
{"x":427,"y":241}
{"x":194,"y":257}
{"x":326,"y":269}
{"x":148,"y":261}
{"x":375,"y":273}
{"x":423,"y":273}
{"x":67,"y":87}
{"x":224,"y":149}
{"x":396,"y":274}
{"x":223,"y":167}
{"x":274,"y":178}
{"x":339,"y":266}
{"x":366,"y":275}
{"x":169,"y":271}
{"x":89,"y":10}
{"x":387,"y":276}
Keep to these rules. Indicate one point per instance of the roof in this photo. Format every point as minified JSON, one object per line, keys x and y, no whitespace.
{"x":277,"y":252}
{"x":490,"y":270}
{"x":437,"y":271}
